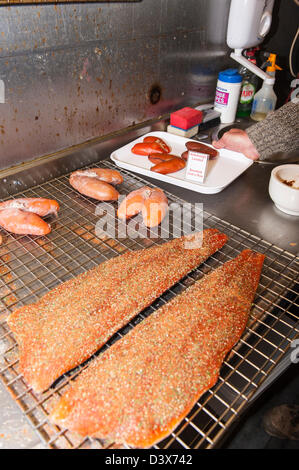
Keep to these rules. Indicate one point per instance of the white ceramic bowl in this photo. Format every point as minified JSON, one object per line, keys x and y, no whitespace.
{"x":285,"y":196}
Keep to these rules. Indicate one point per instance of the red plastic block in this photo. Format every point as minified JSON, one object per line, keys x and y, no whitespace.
{"x":186,"y":118}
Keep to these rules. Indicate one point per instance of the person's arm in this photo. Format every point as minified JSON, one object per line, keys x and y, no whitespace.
{"x":279,"y":132}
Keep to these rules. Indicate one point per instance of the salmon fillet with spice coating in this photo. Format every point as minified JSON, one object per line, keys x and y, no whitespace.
{"x":74,"y":320}
{"x":139,"y":389}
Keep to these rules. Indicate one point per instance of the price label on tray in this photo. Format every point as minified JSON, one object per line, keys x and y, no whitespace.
{"x":196,"y":166}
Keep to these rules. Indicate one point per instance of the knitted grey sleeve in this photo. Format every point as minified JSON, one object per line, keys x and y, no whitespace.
{"x":278,"y":133}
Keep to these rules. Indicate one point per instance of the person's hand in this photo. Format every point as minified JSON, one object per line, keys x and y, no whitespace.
{"x":237,"y":140}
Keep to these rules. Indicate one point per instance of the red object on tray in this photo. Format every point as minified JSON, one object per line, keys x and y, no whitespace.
{"x":186,"y":118}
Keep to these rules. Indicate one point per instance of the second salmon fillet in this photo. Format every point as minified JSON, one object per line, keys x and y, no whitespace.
{"x":139,"y":389}
{"x":74,"y":320}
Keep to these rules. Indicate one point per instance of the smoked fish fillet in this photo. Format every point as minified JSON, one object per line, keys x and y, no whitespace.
{"x":71,"y":322}
{"x":139,"y":389}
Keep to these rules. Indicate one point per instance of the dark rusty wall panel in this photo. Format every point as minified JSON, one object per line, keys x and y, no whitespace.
{"x":74,"y":72}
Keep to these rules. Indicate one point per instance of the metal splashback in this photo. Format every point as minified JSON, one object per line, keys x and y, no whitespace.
{"x":78,"y":71}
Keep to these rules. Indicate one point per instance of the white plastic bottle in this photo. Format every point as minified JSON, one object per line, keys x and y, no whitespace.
{"x":227,"y":94}
{"x":264,"y":101}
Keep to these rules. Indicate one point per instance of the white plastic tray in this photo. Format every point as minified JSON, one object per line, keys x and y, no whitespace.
{"x":221,"y":171}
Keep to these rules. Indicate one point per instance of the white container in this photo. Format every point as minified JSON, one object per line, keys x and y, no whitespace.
{"x":228,"y":94}
{"x":221,"y":171}
{"x":284,"y":188}
{"x":248,"y":23}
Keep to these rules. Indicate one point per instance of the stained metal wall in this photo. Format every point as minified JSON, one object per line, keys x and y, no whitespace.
{"x":74,"y":72}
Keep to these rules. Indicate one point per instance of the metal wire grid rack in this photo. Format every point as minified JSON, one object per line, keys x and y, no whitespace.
{"x":30,"y":266}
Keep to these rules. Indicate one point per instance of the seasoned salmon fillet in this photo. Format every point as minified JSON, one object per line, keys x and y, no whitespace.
{"x":139,"y":389}
{"x":71,"y":322}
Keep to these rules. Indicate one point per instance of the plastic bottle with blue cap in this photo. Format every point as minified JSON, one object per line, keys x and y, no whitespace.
{"x":228,"y":94}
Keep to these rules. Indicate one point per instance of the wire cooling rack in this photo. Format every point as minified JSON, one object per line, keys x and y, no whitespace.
{"x":31,"y":266}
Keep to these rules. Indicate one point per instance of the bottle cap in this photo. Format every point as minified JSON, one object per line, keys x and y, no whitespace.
{"x":230,"y":76}
{"x":272,"y":67}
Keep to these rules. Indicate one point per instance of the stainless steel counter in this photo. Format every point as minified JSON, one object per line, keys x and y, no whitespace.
{"x":245,"y":203}
{"x":15,"y":431}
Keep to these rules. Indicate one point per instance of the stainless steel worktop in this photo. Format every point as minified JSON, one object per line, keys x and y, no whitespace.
{"x":245,"y":203}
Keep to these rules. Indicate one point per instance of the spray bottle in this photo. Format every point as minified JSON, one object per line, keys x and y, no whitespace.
{"x":265,"y":99}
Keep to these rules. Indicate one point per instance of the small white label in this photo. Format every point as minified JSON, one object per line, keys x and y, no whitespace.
{"x":196,"y":166}
{"x":2,"y":92}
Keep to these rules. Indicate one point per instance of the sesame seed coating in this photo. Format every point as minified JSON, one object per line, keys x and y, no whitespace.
{"x":71,"y":322}
{"x":138,"y":390}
